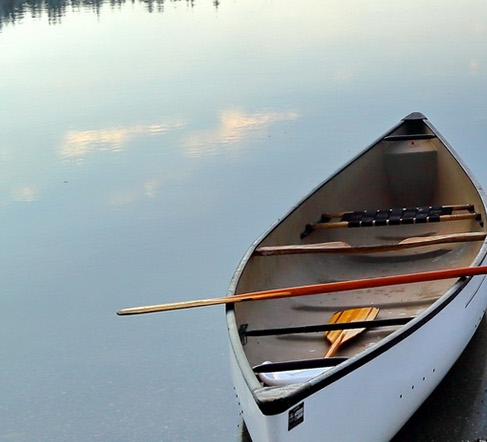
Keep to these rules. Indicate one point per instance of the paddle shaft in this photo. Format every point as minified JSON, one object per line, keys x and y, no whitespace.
{"x":313,"y":289}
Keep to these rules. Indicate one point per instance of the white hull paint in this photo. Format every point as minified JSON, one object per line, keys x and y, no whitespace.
{"x":373,"y":402}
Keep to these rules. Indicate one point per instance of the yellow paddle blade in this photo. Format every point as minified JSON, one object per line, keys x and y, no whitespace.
{"x":338,"y":337}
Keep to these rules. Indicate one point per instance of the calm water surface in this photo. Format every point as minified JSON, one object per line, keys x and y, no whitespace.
{"x":143,"y":147}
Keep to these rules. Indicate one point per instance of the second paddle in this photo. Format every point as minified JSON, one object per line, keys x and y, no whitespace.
{"x":338,"y":337}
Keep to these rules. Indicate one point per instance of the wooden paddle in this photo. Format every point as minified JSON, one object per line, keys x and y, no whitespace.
{"x":314,"y":289}
{"x":338,"y":337}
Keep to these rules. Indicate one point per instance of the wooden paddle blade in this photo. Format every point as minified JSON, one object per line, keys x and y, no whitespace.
{"x":338,"y":337}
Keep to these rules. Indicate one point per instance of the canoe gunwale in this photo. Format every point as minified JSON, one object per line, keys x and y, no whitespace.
{"x":276,"y":400}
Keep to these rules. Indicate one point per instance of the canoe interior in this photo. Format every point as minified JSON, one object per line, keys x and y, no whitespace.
{"x":400,"y":170}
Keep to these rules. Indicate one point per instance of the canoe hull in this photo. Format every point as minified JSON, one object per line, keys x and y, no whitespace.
{"x":374,"y":401}
{"x":382,"y":378}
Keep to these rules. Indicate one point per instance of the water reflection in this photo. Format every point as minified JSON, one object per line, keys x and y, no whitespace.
{"x":13,"y":11}
{"x":234,"y":125}
{"x":26,"y":193}
{"x":79,"y":143}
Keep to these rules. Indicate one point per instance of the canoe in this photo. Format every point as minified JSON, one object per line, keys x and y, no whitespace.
{"x":406,"y":205}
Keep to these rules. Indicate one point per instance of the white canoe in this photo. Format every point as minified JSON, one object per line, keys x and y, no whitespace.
{"x":409,"y":205}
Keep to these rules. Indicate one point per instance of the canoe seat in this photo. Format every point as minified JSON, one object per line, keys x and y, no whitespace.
{"x":393,"y":216}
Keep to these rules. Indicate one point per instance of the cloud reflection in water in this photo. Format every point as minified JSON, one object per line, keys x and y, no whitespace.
{"x":26,"y":194}
{"x":234,"y":126}
{"x":233,"y":130}
{"x":79,"y":143}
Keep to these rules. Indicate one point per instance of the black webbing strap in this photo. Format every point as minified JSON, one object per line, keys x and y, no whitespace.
{"x":391,"y":217}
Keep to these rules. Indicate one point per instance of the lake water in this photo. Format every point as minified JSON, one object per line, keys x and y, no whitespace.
{"x":145,"y":144}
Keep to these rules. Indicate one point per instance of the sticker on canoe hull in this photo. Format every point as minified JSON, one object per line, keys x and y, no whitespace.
{"x":296,"y":416}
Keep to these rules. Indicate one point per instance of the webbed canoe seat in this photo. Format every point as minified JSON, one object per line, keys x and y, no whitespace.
{"x":394,"y":216}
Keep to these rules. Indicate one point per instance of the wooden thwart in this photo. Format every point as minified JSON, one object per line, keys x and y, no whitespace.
{"x":339,"y":337}
{"x":344,"y":248}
